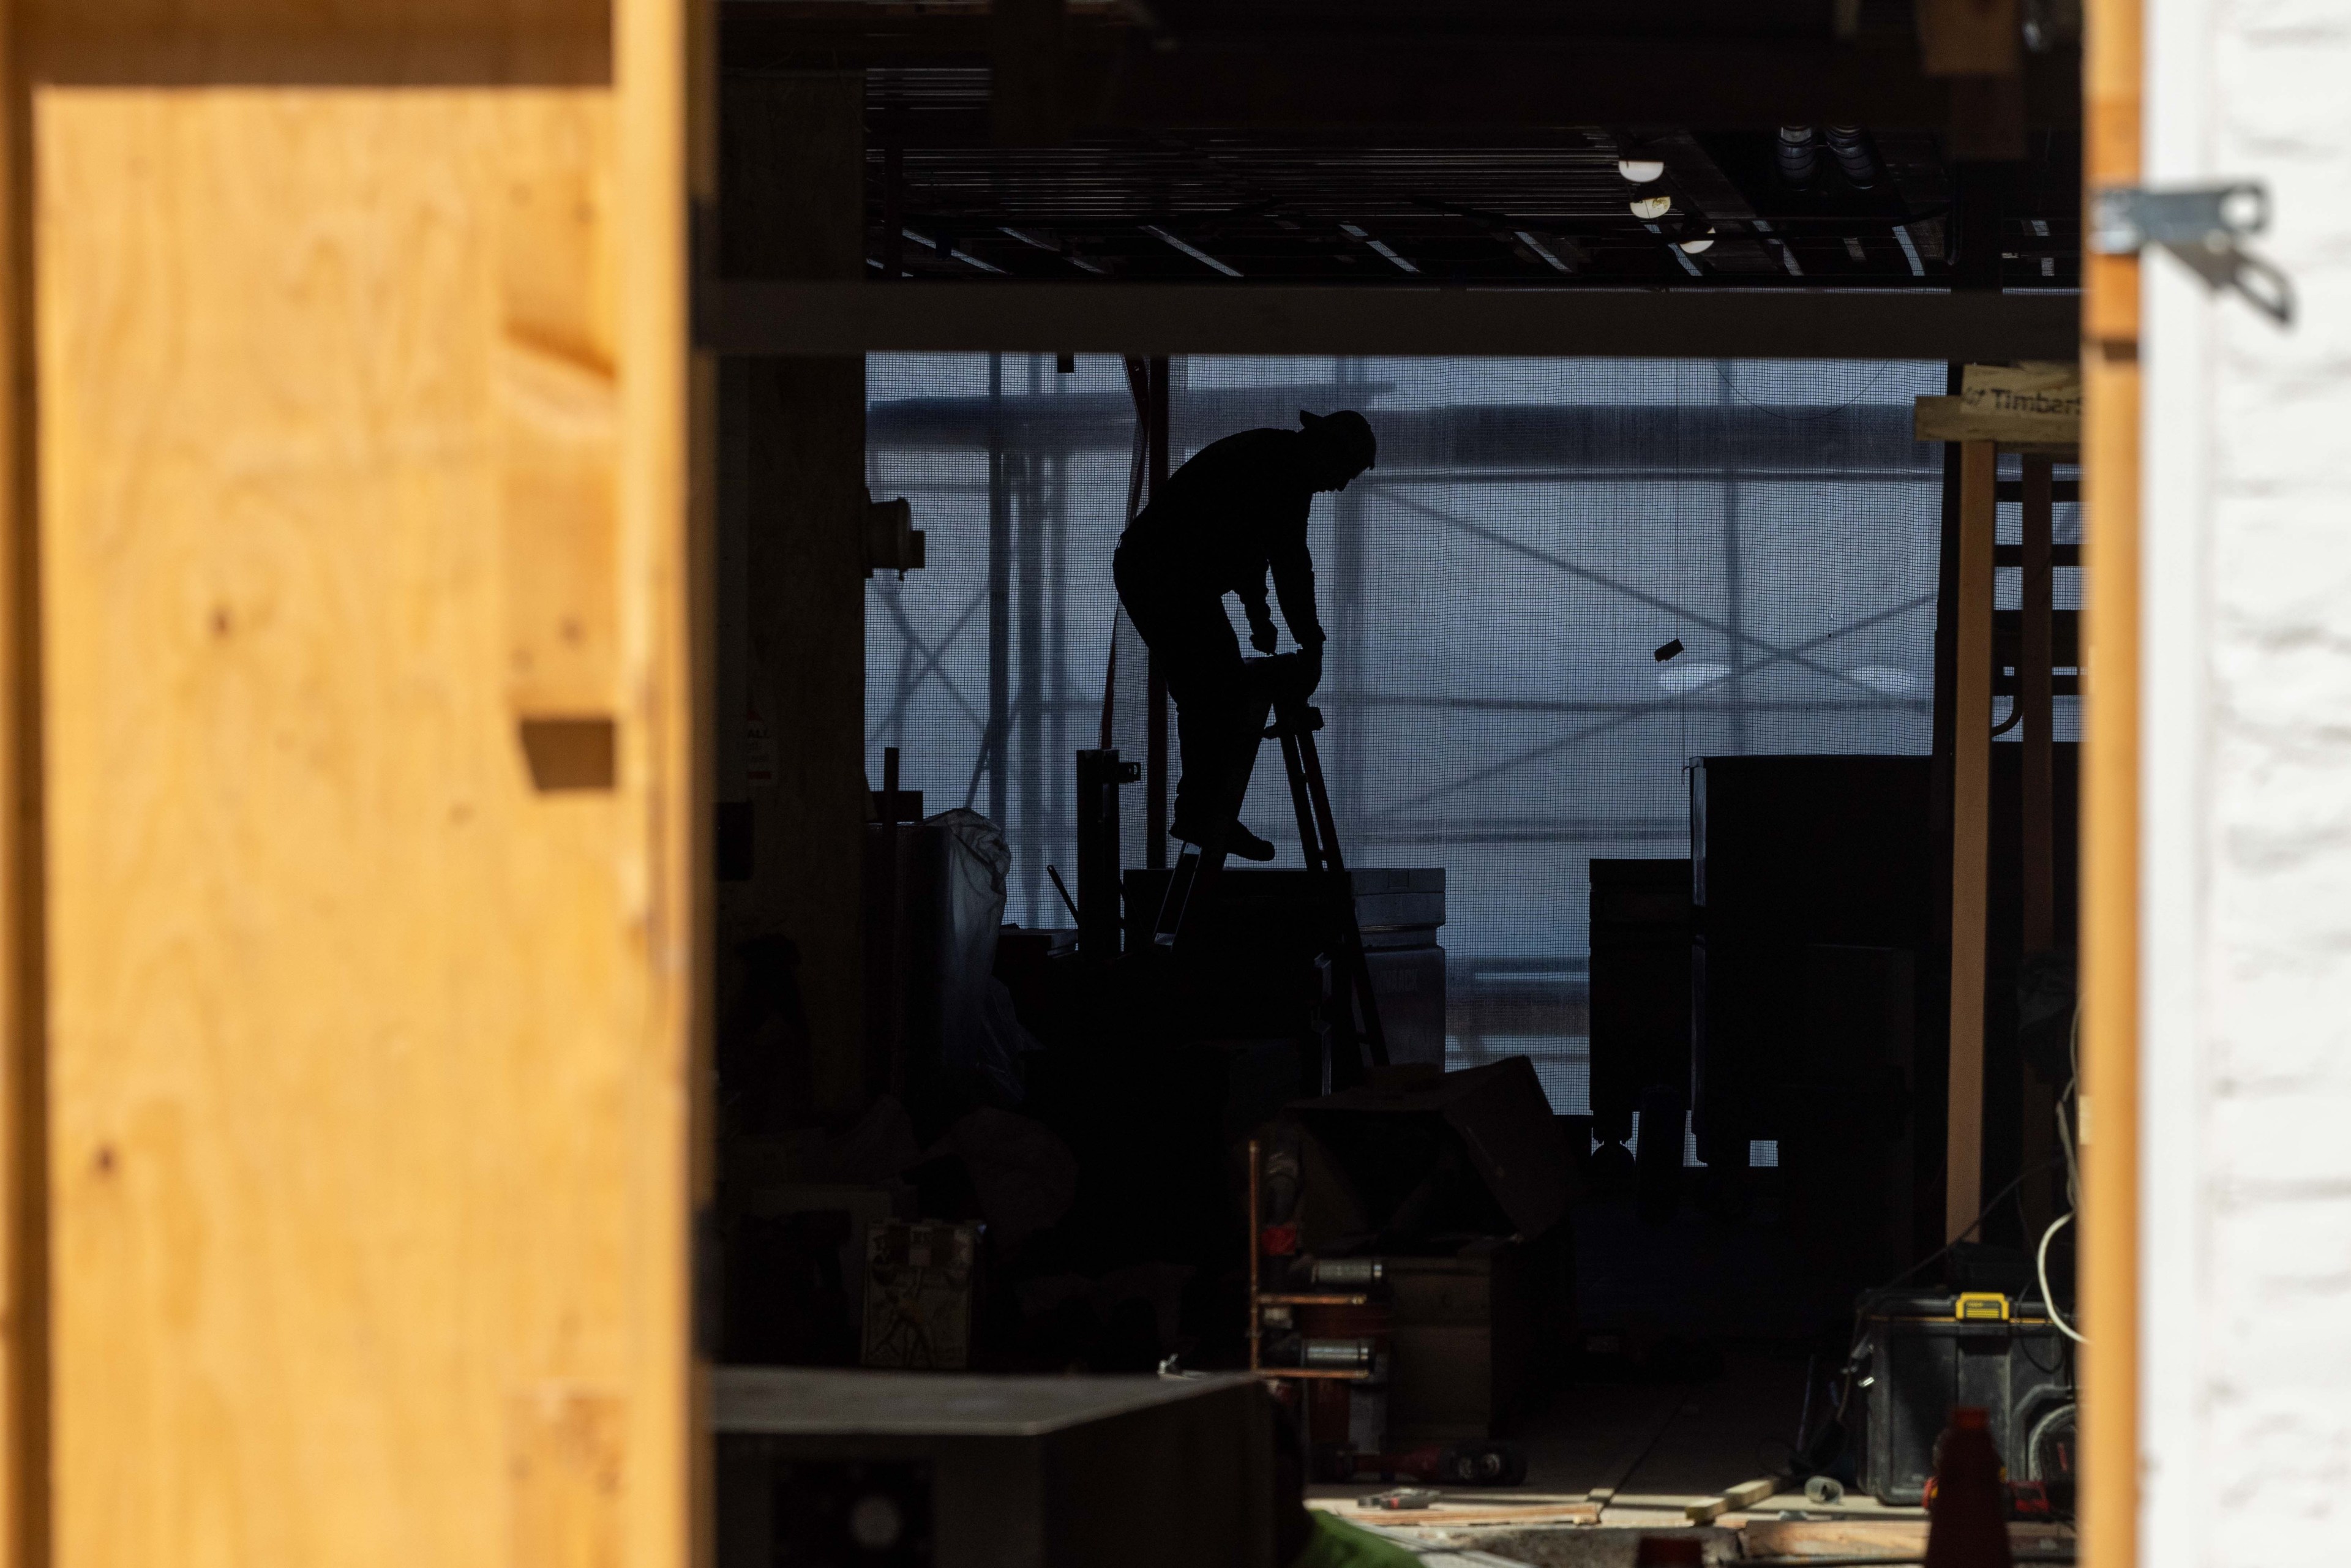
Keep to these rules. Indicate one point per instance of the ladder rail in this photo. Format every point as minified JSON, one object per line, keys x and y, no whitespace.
{"x":1197,"y":886}
{"x":1313,"y":795}
{"x":1308,"y":827}
{"x":1286,"y":715}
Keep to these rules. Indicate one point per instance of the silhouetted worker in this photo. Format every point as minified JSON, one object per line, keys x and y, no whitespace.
{"x":1235,"y":512}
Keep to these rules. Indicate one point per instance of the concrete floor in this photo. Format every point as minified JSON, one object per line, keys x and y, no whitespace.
{"x":1644,"y":1447}
{"x":1653,"y":1449}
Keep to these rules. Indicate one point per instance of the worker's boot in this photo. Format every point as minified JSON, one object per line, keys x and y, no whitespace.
{"x":1240,"y":842}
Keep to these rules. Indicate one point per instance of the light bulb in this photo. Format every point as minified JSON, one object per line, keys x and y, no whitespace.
{"x":1652,"y":206}
{"x":1640,"y":170}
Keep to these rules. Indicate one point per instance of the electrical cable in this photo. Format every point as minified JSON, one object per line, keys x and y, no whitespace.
{"x":2047,"y":1299}
{"x":1732,"y":387}
{"x":1997,"y":1199}
{"x":1861,"y":1336}
{"x":2073,"y":1176}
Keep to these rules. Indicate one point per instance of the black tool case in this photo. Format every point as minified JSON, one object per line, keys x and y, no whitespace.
{"x":1923,"y":1351}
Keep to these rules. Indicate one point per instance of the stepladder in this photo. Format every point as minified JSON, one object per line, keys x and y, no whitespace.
{"x":1275,"y":706}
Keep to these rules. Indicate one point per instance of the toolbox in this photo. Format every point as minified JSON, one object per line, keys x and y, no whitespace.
{"x":1923,"y":1352}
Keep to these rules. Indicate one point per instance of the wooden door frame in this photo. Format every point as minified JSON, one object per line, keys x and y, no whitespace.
{"x":2113,"y":67}
{"x":24,"y":1085}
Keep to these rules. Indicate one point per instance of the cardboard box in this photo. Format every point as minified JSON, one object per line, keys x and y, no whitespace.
{"x":1463,"y":1348}
{"x":920,"y":1276}
{"x":1498,"y":1115}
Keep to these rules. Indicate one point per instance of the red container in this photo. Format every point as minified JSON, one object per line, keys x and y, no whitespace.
{"x":1967,"y":1520}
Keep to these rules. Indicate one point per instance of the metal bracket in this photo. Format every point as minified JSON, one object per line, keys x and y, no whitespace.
{"x":2201,"y":225}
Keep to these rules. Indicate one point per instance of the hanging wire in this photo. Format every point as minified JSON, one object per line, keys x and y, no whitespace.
{"x":1825,"y":413}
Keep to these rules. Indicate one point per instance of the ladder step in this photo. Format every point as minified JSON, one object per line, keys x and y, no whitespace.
{"x":1169,"y":923}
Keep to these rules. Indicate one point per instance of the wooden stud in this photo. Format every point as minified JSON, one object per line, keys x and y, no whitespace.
{"x":2033,"y":700}
{"x":666,"y":156}
{"x":1745,"y":1495}
{"x":1971,"y":836}
{"x":2113,"y":69}
{"x":2037,"y":1098}
{"x":25,"y":1283}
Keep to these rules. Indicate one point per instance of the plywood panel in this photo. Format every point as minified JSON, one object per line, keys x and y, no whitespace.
{"x":370,"y":1099}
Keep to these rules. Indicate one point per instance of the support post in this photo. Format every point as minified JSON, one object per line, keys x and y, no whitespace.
{"x":792,"y":153}
{"x":2033,"y":698}
{"x":999,"y":597}
{"x":1934,"y":1010}
{"x":893,"y":202}
{"x":2113,"y":66}
{"x":2037,"y":1098}
{"x":1971,"y":836}
{"x":1154,"y":831}
{"x":25,"y":1476}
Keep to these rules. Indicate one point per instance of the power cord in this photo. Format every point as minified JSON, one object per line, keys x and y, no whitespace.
{"x":2047,"y":1299}
{"x":2073,"y":1176}
{"x":1845,"y":1384}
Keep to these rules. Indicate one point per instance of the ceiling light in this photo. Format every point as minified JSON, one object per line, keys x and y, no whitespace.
{"x":1640,"y":170}
{"x":1652,"y":206}
{"x":1703,"y":242}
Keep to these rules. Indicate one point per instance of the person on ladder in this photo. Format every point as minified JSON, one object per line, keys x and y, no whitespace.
{"x":1234,"y":512}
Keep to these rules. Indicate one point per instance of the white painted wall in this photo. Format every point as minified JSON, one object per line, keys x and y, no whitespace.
{"x":2247,"y":1101}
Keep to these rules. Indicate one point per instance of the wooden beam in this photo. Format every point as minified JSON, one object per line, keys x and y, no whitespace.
{"x":353,"y":43}
{"x":664,"y":170}
{"x":1121,"y":76}
{"x":2042,"y":1186}
{"x":1705,"y":84}
{"x":2033,"y":674}
{"x":1028,"y":72}
{"x":24,"y":1230}
{"x":1971,"y":837}
{"x":2114,"y":67}
{"x":760,"y":317}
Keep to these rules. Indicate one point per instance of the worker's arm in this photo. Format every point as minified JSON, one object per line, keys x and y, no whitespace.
{"x":1262,"y":636}
{"x":1293,"y":583}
